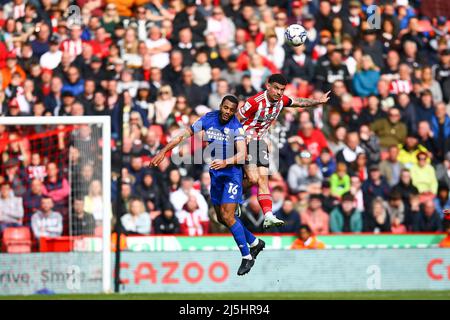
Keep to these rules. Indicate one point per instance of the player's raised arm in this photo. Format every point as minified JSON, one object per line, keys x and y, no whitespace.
{"x":310,"y":103}
{"x":187,"y":133}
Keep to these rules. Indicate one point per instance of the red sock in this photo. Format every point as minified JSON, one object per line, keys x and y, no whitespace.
{"x":265,"y":201}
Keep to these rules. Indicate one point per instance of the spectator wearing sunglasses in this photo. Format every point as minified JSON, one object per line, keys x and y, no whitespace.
{"x":423,"y":175}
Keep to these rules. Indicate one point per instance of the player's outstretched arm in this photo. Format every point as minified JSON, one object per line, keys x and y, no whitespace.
{"x":172,"y":144}
{"x":310,"y":103}
{"x":238,"y":158}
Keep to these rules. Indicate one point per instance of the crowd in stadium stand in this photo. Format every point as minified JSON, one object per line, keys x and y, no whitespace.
{"x":376,"y":158}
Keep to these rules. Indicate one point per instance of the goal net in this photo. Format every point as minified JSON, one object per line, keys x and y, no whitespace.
{"x":55,"y":205}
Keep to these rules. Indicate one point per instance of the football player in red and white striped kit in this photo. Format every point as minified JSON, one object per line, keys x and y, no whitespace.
{"x":257,"y":115}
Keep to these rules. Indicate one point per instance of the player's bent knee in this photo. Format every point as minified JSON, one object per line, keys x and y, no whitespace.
{"x":227,"y":218}
{"x":229,"y":221}
{"x":253,"y":180}
{"x":263,"y":181}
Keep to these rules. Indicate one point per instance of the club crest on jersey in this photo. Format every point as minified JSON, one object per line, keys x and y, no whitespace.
{"x":226,"y":130}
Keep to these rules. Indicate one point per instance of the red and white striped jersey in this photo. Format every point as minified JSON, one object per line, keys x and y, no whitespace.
{"x":259,"y":114}
{"x":400,"y":86}
{"x":74,"y":48}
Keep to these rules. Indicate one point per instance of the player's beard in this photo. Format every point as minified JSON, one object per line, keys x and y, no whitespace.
{"x":272,"y":99}
{"x":223,"y":120}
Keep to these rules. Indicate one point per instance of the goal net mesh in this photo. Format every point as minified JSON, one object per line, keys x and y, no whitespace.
{"x":61,"y":165}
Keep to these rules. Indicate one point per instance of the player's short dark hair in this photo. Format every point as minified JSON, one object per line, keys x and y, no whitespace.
{"x":231,"y":98}
{"x":277,"y":78}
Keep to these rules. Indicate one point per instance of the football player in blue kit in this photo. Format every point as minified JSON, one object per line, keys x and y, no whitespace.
{"x":225,"y":136}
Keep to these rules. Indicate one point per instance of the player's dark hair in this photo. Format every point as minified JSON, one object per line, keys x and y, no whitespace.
{"x":277,"y":78}
{"x":230,"y":98}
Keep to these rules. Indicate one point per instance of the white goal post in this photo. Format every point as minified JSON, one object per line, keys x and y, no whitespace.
{"x":105,"y":123}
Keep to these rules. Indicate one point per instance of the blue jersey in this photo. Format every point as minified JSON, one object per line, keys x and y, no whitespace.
{"x":221,"y":137}
{"x":226,"y":184}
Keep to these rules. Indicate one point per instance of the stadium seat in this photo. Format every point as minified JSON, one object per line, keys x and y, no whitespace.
{"x":17,"y":240}
{"x":57,"y":244}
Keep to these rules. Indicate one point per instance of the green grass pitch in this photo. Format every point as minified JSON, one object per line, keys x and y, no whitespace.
{"x":377,"y":295}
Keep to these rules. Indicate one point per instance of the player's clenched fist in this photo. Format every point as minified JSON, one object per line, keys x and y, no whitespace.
{"x":157,"y":159}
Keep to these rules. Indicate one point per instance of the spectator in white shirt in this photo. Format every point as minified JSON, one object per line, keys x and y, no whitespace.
{"x":272,"y":50}
{"x":36,"y":170}
{"x":180,"y":197}
{"x":52,"y":58}
{"x":14,"y":9}
{"x":137,"y":221}
{"x":164,"y":104}
{"x":215,"y":98}
{"x":11,"y":208}
{"x":257,"y":71}
{"x":201,"y":69}
{"x":356,"y":191}
{"x":126,"y":83}
{"x":158,"y":48}
{"x":46,"y":222}
{"x":93,"y":202}
{"x":221,"y":26}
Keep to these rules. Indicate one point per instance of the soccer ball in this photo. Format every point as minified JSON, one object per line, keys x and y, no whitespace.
{"x":295,"y":35}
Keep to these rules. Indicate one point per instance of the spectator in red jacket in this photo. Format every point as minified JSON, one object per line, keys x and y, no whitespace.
{"x":101,"y":43}
{"x":243,"y":60}
{"x":313,"y":139}
{"x":193,"y":220}
{"x":3,"y":54}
